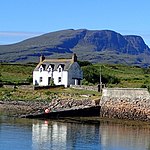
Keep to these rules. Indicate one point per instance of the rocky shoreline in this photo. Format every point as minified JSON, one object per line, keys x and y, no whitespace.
{"x":18,"y":107}
{"x":113,"y":108}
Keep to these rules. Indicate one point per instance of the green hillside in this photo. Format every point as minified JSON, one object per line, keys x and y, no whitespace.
{"x":125,"y":76}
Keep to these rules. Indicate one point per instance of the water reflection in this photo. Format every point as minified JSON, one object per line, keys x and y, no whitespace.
{"x":124,"y":137}
{"x":48,"y":135}
{"x":57,"y":135}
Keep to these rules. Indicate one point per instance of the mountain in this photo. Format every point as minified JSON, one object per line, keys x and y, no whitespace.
{"x":103,"y":46}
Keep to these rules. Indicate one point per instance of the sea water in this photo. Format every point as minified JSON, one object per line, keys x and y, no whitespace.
{"x":24,"y":134}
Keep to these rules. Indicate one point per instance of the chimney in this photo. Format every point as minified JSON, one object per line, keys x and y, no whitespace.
{"x":42,"y":58}
{"x":74,"y":58}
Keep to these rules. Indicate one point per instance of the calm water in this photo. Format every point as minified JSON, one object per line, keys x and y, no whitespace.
{"x":23,"y":134}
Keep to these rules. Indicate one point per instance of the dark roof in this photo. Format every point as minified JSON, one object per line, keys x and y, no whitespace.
{"x":66,"y":63}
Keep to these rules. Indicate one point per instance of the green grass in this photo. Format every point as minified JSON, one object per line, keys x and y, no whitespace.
{"x":11,"y":73}
{"x":129,"y":76}
{"x":46,"y":94}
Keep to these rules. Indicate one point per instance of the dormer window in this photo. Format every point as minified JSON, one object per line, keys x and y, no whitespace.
{"x":41,"y":69}
{"x":59,"y":69}
{"x":49,"y":69}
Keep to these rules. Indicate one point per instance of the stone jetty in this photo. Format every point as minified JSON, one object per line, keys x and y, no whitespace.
{"x":125,"y":103}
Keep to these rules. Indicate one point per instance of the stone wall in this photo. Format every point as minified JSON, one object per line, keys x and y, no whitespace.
{"x":85,"y":87}
{"x":126,"y":92}
{"x":125,"y":103}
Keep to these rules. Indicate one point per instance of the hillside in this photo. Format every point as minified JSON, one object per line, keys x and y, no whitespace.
{"x":103,"y":46}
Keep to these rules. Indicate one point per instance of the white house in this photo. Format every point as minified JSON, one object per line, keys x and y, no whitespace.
{"x":58,"y":71}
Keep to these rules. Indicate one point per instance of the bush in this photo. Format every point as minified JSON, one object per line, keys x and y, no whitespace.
{"x":146,"y":70}
{"x":48,"y":92}
{"x":30,"y":79}
{"x":84,"y":63}
{"x":91,"y":74}
{"x":84,"y":82}
{"x":143,"y":86}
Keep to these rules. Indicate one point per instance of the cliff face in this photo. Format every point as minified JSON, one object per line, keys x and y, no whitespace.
{"x":93,"y":45}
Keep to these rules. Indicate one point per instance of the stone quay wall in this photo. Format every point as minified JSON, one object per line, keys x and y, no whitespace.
{"x":125,"y":103}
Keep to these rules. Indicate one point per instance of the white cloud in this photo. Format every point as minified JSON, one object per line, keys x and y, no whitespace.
{"x":7,"y":33}
{"x":7,"y":37}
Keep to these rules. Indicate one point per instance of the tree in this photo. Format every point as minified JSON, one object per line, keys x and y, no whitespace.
{"x":91,"y":74}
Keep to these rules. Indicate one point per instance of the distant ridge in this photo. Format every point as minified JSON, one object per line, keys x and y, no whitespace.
{"x":102,"y":46}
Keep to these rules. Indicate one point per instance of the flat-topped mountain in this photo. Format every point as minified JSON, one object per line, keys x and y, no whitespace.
{"x":103,"y":46}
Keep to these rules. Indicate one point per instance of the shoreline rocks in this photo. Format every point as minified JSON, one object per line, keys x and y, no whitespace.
{"x":18,"y":108}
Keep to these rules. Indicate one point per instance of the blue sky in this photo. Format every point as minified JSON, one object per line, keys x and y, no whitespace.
{"x":21,"y":19}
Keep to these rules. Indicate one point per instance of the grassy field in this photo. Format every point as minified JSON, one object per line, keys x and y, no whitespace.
{"x":16,"y":73}
{"x":128,"y":76}
{"x":46,"y":94}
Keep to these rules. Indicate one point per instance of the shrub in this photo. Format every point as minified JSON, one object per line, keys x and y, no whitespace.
{"x":84,"y":63}
{"x":91,"y":74}
{"x":29,"y":79}
{"x":143,"y":86}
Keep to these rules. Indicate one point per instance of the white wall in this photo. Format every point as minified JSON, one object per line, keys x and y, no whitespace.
{"x":44,"y":75}
{"x":64,"y":78}
{"x":54,"y":75}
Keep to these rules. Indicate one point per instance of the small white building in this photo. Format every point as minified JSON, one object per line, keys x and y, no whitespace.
{"x":58,"y":72}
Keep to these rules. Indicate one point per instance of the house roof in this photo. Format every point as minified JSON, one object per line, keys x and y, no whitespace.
{"x":66,"y":63}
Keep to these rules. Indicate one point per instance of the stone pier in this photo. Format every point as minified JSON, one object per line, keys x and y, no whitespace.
{"x":125,"y":103}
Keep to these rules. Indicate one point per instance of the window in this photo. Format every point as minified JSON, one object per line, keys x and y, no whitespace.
{"x":41,"y":69}
{"x":41,"y":79}
{"x":59,"y":69}
{"x":49,"y":69}
{"x":59,"y":79}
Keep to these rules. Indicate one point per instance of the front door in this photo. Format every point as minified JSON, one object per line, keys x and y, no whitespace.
{"x":49,"y":80}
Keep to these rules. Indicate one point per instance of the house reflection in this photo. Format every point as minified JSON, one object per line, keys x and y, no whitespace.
{"x":48,"y":135}
{"x":58,"y":135}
